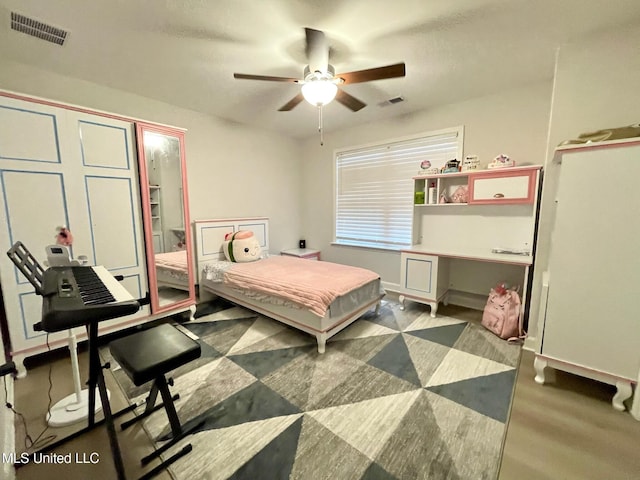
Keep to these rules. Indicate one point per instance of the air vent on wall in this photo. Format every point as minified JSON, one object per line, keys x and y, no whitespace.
{"x":37,"y":29}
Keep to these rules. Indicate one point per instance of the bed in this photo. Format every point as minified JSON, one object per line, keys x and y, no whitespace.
{"x":172,"y":270}
{"x":290,"y":290}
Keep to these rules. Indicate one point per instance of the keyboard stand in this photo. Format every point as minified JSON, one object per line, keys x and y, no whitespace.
{"x":33,"y":271}
{"x":74,"y":407}
{"x":96,"y":379}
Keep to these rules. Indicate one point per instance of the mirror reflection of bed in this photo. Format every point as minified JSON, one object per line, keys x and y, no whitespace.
{"x":173,"y":276}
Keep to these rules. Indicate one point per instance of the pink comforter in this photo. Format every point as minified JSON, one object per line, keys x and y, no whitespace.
{"x":174,"y":261}
{"x":308,"y":283}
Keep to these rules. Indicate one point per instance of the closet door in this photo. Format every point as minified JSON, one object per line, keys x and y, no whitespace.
{"x":32,"y":204}
{"x":105,"y":189}
{"x":63,"y":167}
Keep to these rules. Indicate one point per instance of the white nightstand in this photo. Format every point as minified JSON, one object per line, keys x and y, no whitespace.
{"x":307,"y":253}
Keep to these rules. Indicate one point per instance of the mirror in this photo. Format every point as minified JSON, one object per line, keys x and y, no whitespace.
{"x":166,"y":217}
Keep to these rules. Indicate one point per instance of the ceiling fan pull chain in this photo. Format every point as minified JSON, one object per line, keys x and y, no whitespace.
{"x":320,"y":125}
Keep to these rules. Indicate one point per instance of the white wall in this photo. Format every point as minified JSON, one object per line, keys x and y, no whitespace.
{"x":596,"y":87}
{"x":232,"y":170}
{"x":513,"y":122}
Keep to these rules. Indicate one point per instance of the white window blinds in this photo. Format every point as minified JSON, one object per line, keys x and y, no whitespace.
{"x":374,"y":187}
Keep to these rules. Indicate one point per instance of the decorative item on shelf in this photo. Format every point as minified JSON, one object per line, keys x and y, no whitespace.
{"x":461,"y":194}
{"x":616,"y":133}
{"x":501,"y":161}
{"x":452,"y":166}
{"x":425,"y":165}
{"x":427,"y":169}
{"x":433,"y":194}
{"x":178,"y":247}
{"x":470,"y":162}
{"x":418,"y":198}
{"x":443,"y":198}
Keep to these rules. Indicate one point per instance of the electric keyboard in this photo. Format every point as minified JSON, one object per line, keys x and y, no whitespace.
{"x":74,"y":296}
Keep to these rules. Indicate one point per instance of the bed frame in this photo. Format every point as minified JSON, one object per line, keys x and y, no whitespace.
{"x":166,"y":280}
{"x":209,"y":235}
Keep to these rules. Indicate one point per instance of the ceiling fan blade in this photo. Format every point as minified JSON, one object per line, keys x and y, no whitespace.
{"x":380,"y":73}
{"x":291,"y":104}
{"x":317,"y":50}
{"x":245,"y":76}
{"x":349,"y":101}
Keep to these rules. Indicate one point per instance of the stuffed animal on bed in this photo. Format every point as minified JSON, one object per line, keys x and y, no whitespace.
{"x":241,"y":246}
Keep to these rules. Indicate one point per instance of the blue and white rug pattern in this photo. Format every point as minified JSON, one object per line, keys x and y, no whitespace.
{"x":399,"y":395}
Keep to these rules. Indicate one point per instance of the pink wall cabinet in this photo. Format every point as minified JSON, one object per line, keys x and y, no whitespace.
{"x":505,"y":186}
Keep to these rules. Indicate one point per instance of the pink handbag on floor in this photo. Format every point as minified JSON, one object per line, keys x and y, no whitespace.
{"x":503,"y":314}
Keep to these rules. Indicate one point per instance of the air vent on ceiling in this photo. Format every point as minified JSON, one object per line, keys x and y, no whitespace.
{"x":392,"y":101}
{"x":37,"y":29}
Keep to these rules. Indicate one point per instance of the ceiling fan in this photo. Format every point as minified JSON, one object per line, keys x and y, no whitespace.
{"x":320,"y":83}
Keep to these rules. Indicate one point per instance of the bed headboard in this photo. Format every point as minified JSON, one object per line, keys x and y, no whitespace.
{"x":209,"y":235}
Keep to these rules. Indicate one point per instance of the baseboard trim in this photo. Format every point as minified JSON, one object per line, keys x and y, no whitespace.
{"x":391,"y":287}
{"x":467,"y":299}
{"x":530,"y":344}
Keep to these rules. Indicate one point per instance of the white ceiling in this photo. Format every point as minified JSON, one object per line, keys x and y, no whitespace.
{"x":184,"y":52}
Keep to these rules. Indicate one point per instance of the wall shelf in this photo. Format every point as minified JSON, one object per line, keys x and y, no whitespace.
{"x":500,"y":214}
{"x":497,"y":186}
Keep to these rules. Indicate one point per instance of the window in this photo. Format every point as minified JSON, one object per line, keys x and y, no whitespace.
{"x":374,"y":187}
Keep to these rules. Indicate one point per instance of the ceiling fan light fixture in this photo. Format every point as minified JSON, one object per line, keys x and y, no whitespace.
{"x":319,"y":92}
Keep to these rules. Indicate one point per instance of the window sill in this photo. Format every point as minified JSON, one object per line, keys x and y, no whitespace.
{"x":366,"y":246}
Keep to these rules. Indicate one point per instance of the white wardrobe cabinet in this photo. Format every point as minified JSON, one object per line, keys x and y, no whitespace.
{"x":67,"y":166}
{"x":589,"y":322}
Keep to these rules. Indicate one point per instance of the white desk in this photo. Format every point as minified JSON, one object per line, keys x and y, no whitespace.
{"x":424,"y":272}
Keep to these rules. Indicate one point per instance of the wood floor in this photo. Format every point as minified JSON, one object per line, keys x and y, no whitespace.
{"x":565,"y":429}
{"x":31,"y":401}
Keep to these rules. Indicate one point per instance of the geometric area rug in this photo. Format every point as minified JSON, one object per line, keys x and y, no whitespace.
{"x":397,"y":395}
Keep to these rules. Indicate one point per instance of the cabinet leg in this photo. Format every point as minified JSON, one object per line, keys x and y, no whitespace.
{"x":434,"y":309}
{"x":192,"y":316}
{"x":539,"y":365}
{"x":377,"y":310}
{"x":401,"y":300}
{"x":623,"y":393}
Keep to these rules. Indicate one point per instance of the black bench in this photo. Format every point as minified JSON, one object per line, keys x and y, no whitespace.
{"x":147,"y":356}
